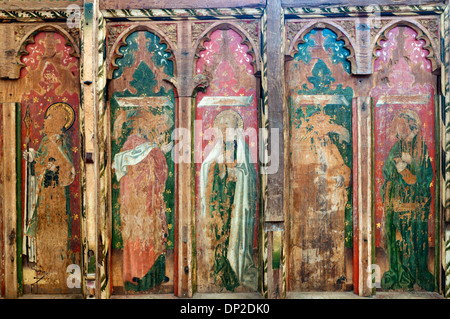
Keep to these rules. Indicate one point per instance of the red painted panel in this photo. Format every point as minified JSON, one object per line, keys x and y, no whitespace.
{"x":228,"y":66}
{"x":50,"y":126}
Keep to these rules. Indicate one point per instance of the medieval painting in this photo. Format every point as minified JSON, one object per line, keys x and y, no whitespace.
{"x":50,"y":164}
{"x":405,"y":162}
{"x":226,"y":168}
{"x":319,"y":100}
{"x":143,"y":109}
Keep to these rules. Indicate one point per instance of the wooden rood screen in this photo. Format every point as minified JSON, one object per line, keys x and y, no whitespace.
{"x":144,"y":165}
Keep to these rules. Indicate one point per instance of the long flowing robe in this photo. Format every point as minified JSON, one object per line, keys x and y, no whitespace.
{"x":50,"y":223}
{"x":142,"y":170}
{"x":228,"y":204}
{"x":407,"y":198}
{"x":320,"y":179}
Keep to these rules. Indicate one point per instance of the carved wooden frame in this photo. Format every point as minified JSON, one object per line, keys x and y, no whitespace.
{"x":28,"y":38}
{"x":120,"y":41}
{"x":342,"y":34}
{"x":440,"y":58}
{"x":224,"y":25}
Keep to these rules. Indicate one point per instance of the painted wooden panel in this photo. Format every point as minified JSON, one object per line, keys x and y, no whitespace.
{"x":405,"y":162}
{"x":143,"y":108}
{"x":226,"y":170}
{"x":50,"y":164}
{"x":319,"y":92}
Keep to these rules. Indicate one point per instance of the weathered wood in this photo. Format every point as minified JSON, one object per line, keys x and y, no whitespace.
{"x":2,"y":236}
{"x":362,"y":199}
{"x":180,"y":4}
{"x":226,"y":199}
{"x":319,"y":93}
{"x":405,"y":161}
{"x":328,"y":3}
{"x":9,"y":200}
{"x":8,"y":64}
{"x":90,"y":157}
{"x":50,"y":111}
{"x":275,"y":94}
{"x":38,"y":4}
{"x":185,"y":274}
{"x":446,"y":261}
{"x":143,"y":108}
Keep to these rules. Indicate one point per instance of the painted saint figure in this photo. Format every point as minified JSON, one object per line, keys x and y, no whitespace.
{"x":52,"y":171}
{"x":228,"y":205}
{"x":142,"y":170}
{"x":406,"y":197}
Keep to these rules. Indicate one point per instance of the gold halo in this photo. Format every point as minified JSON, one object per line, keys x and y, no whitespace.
{"x":237,"y":117}
{"x":70,"y":113}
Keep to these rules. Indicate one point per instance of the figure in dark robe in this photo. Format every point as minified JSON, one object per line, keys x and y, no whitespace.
{"x":406,"y":197}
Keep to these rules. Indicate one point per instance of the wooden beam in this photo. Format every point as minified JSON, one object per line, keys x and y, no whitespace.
{"x":275,"y":95}
{"x":38,"y":5}
{"x":8,"y":63}
{"x":180,"y":4}
{"x":362,"y":185}
{"x":88,"y":225}
{"x":327,"y":3}
{"x":273,"y":178}
{"x":10,"y":200}
{"x":185,"y":271}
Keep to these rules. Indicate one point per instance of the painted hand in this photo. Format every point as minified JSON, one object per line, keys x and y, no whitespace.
{"x":29,"y":155}
{"x":401,"y":166}
{"x":339,"y":181}
{"x":406,"y":157}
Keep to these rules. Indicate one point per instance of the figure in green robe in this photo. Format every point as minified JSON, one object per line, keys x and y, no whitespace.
{"x":229,"y":197}
{"x":407,"y":200}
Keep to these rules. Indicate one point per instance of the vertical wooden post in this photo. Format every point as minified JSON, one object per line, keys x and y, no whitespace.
{"x":362,"y":185}
{"x":103,"y":169}
{"x":90,"y":153}
{"x":10,"y":200}
{"x":185,"y":177}
{"x":445,"y":142}
{"x":273,"y":183}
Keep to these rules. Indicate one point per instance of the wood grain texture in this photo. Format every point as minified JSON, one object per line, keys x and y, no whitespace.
{"x":9,"y":201}
{"x":362,"y":198}
{"x":181,"y":4}
{"x":327,"y":3}
{"x":2,"y":235}
{"x":274,"y":210}
{"x":320,"y":90}
{"x":37,"y":4}
{"x":8,"y":53}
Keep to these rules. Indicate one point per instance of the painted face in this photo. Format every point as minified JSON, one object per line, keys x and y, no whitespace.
{"x":407,"y":126}
{"x":54,"y":122}
{"x":224,"y":122}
